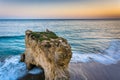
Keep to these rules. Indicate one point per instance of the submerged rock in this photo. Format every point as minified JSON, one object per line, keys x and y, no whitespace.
{"x":49,"y":52}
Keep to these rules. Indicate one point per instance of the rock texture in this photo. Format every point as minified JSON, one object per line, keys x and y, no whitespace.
{"x":48,"y":51}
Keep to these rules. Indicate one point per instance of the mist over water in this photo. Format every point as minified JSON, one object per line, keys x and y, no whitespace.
{"x":90,"y":41}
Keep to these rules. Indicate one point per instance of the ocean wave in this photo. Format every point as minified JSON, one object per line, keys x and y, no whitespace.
{"x":12,"y":69}
{"x":109,"y":56}
{"x":15,"y":36}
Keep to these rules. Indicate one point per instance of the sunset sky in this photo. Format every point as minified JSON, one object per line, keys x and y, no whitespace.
{"x":55,"y":9}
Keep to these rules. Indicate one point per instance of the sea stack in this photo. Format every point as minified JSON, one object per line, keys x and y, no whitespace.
{"x":49,"y":52}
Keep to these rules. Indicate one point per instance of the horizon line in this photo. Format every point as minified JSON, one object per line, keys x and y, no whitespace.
{"x":59,"y":19}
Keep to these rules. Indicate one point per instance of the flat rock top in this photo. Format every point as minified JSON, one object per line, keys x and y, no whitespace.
{"x":43,"y":35}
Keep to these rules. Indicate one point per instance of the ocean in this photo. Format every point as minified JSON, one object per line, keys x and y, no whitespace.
{"x":90,"y":40}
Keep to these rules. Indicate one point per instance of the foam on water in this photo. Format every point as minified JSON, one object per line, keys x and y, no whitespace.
{"x":12,"y":69}
{"x":88,"y":40}
{"x":109,"y":56}
{"x":35,"y":71}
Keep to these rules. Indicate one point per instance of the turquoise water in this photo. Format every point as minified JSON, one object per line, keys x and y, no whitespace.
{"x":89,"y":39}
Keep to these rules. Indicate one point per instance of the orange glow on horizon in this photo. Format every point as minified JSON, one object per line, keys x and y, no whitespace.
{"x":78,"y":10}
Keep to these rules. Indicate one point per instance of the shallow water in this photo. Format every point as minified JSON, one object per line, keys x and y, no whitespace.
{"x":90,"y":40}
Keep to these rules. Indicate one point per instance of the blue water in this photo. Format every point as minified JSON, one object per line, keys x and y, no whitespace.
{"x":90,"y":41}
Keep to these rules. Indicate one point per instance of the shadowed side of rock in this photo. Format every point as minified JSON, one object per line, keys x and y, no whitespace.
{"x":48,"y":51}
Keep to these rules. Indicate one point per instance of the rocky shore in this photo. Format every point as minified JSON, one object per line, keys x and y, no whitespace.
{"x":86,"y":71}
{"x":52,"y":53}
{"x":49,"y":52}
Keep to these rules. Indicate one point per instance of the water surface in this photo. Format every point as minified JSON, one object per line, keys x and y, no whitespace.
{"x":97,"y":40}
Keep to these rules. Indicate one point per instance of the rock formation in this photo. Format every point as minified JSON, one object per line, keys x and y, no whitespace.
{"x":48,"y":51}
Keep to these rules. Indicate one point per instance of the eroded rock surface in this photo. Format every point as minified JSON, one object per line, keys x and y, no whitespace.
{"x":48,"y":51}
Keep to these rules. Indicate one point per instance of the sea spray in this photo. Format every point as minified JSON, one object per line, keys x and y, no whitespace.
{"x":109,"y":56}
{"x":84,"y":37}
{"x":11,"y":69}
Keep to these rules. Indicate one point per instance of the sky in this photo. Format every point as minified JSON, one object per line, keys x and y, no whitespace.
{"x":59,"y":9}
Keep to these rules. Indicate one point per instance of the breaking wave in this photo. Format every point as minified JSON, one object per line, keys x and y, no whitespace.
{"x":109,"y":56}
{"x":13,"y":67}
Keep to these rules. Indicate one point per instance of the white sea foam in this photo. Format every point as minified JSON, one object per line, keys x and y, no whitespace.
{"x":109,"y":56}
{"x":35,"y":71}
{"x":12,"y":68}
